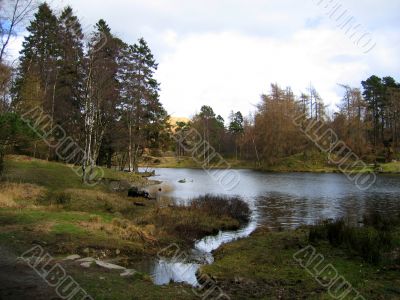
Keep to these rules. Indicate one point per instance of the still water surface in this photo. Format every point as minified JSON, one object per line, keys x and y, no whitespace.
{"x":277,"y":201}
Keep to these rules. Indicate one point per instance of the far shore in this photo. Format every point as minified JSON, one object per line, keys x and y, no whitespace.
{"x":286,"y":166}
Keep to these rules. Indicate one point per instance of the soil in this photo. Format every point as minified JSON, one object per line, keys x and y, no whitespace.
{"x":19,"y":282}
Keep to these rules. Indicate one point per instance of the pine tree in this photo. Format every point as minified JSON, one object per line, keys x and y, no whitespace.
{"x":69,"y":88}
{"x":373,"y":91}
{"x":39,"y":60}
{"x":39,"y":67}
{"x":236,"y":128}
{"x":145,"y":117}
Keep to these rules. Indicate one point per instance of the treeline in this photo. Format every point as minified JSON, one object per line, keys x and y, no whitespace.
{"x":367,"y":121}
{"x":100,"y":90}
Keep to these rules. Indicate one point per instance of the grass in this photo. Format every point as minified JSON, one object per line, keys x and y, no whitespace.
{"x":314,"y":162}
{"x":393,"y":167}
{"x":204,"y":216}
{"x":111,"y":286}
{"x":46,"y":203}
{"x":222,"y":206}
{"x":374,"y":241}
{"x":42,"y":203}
{"x":55,"y":176}
{"x":17,"y":195}
{"x":263,"y":267}
{"x":188,"y":163}
{"x":303,"y":162}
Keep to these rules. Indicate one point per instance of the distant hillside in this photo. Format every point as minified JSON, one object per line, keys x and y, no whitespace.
{"x":174,"y":120}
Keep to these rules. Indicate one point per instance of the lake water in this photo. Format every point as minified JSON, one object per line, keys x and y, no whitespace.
{"x":284,"y":200}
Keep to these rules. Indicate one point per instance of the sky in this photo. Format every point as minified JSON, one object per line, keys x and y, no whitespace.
{"x":226,"y":53}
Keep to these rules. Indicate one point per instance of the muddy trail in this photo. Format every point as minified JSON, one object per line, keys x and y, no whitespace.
{"x":19,"y":282}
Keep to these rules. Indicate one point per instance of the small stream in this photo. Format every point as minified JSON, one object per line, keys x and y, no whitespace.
{"x":171,"y":270}
{"x":276,"y":200}
{"x":184,"y":267}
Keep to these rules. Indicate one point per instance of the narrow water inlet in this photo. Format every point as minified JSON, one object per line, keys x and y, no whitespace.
{"x":183,"y":268}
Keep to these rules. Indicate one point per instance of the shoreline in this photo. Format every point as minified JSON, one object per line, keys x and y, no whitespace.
{"x":327,"y":170}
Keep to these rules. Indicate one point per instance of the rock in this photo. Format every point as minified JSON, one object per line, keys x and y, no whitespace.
{"x":86,"y":250}
{"x":117,"y":252}
{"x":72,"y":257}
{"x":128,"y":273}
{"x":87,"y":264}
{"x":182,"y":181}
{"x":87,"y":259}
{"x":135,"y":192}
{"x":108,"y":265}
{"x":39,"y":243}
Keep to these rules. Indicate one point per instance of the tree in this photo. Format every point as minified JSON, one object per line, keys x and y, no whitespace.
{"x":69,"y":85}
{"x":39,"y":60}
{"x":101,"y":92}
{"x":144,"y":115}
{"x":373,"y":90}
{"x":12,"y":17}
{"x":38,"y":70}
{"x":206,"y":116}
{"x":350,"y":122}
{"x":12,"y":131}
{"x":181,"y":127}
{"x":5,"y":80}
{"x":276,"y":135}
{"x":236,"y":128}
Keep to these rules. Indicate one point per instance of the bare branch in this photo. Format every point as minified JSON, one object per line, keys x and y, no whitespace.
{"x":15,"y":14}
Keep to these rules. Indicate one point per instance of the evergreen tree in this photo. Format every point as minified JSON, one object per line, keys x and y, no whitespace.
{"x":69,"y":88}
{"x":236,"y":128}
{"x":39,"y":67}
{"x":145,"y":117}
{"x":373,"y":91}
{"x":39,"y":62}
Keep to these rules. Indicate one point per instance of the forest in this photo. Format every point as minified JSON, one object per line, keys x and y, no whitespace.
{"x":103,"y":94}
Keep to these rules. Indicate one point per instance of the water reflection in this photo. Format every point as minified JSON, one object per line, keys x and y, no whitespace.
{"x":288,"y":212}
{"x":171,"y":271}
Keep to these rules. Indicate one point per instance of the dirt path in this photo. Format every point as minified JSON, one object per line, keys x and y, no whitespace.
{"x":19,"y":282}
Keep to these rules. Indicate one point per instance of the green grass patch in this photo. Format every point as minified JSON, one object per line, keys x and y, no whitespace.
{"x":263,"y":267}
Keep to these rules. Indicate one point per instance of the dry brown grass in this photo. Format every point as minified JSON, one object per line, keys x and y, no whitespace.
{"x":124,"y":229}
{"x":185,"y":223}
{"x":86,"y":200}
{"x":20,"y":194}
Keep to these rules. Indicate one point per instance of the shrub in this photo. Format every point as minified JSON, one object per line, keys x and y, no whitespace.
{"x":57,"y":198}
{"x":317,"y":232}
{"x":380,"y":222}
{"x":62,"y":198}
{"x":1,"y":162}
{"x":220,"y":206}
{"x":370,"y":242}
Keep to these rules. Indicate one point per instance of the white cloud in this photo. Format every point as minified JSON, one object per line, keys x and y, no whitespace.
{"x":229,"y":70}
{"x":13,"y":48}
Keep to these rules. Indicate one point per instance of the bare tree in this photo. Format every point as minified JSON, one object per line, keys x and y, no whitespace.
{"x":12,"y":16}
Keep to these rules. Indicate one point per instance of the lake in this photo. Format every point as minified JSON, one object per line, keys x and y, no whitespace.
{"x":277,"y":200}
{"x":290,"y":199}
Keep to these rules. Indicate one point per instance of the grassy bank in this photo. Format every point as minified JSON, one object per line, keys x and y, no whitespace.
{"x":313,"y":162}
{"x":264,"y":265}
{"x":189,"y":163}
{"x":45,"y":203}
